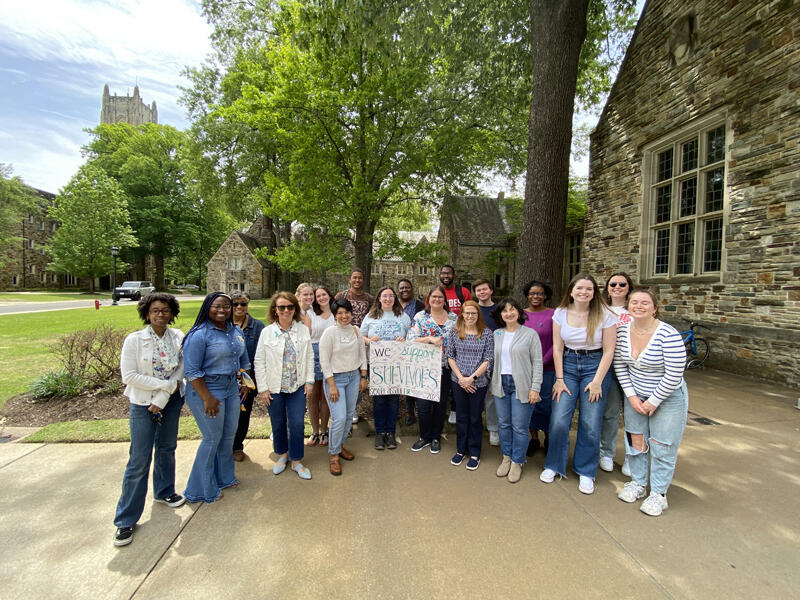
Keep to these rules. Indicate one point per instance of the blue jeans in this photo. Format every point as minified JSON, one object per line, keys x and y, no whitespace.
{"x":610,"y":429}
{"x":491,"y":411}
{"x":385,"y":410}
{"x":432,"y":414}
{"x":213,"y":465}
{"x":342,"y":410}
{"x":469,"y":426}
{"x":145,"y":436}
{"x":291,"y":407}
{"x":662,"y":431}
{"x":513,"y":417}
{"x":540,"y":417}
{"x":579,"y":370}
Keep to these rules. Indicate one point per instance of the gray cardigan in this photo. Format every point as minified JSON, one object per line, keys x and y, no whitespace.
{"x":526,"y":362}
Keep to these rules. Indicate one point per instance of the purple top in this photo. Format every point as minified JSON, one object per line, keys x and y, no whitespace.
{"x":542,"y":323}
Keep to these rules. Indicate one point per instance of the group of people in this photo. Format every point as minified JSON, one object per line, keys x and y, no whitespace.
{"x":528,"y":369}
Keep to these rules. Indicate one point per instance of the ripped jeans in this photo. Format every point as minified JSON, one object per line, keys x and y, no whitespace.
{"x":662,"y":433}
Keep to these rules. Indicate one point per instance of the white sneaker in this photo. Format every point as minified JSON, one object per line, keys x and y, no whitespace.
{"x":626,"y":469}
{"x":494,"y":438}
{"x":607,"y":463}
{"x":631,"y":492}
{"x":452,"y":418}
{"x":548,"y":475}
{"x":654,"y":505}
{"x":585,"y":485}
{"x":355,"y":418}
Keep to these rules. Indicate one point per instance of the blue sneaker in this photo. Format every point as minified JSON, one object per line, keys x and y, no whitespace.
{"x":473,"y":463}
{"x":456,"y":460}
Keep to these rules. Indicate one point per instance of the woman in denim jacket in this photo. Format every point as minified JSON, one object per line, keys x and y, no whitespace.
{"x":152,"y":371}
{"x":284,"y":366}
{"x":213,"y":354}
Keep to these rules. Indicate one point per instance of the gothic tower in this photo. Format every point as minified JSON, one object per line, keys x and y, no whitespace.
{"x":127,"y":109}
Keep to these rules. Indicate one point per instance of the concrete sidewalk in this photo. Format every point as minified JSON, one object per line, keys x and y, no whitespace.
{"x":399,"y":524}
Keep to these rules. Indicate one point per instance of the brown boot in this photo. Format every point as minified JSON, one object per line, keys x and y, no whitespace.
{"x":346,"y":454}
{"x":336,"y":466}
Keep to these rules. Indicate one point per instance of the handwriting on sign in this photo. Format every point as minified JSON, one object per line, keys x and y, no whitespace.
{"x":405,"y":368}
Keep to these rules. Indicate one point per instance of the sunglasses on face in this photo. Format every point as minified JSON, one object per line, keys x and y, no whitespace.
{"x":621,"y":284}
{"x":284,"y":307}
{"x":240,"y":303}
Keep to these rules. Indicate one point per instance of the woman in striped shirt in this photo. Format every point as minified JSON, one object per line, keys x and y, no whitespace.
{"x":649,"y":360}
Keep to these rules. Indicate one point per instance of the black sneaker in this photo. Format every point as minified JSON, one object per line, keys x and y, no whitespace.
{"x":123,"y":536}
{"x":419,"y":445}
{"x":391,"y":443}
{"x":410,"y":420}
{"x":380,"y":441}
{"x":436,"y":445}
{"x":173,"y":501}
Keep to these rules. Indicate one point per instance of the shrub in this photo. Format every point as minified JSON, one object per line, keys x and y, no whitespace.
{"x":56,"y":384}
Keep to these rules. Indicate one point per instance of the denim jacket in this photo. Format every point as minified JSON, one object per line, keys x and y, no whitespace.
{"x":252,"y":331}
{"x":210,"y":351}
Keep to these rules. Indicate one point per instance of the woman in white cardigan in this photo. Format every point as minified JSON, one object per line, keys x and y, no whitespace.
{"x":152,"y":371}
{"x":284,"y":366}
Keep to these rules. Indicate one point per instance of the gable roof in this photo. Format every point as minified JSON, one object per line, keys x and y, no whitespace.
{"x":476,"y":220}
{"x":252,"y":244}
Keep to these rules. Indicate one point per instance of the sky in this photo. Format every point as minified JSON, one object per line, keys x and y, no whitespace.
{"x":55,"y":58}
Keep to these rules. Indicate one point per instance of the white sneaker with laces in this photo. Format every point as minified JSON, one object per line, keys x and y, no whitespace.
{"x":494,"y":438}
{"x":654,"y":505}
{"x":607,"y":463}
{"x":626,"y":469}
{"x":585,"y":484}
{"x":631,"y":492}
{"x":355,"y":418}
{"x":452,"y":418}
{"x":548,"y":475}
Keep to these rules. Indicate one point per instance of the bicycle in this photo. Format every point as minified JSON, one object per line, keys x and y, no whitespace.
{"x":697,"y":348}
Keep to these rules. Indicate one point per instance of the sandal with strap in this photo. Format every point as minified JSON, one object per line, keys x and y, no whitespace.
{"x":323,"y":439}
{"x":302,"y":472}
{"x":312,"y":440}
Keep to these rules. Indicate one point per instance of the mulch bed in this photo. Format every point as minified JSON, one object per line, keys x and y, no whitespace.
{"x":24,"y":411}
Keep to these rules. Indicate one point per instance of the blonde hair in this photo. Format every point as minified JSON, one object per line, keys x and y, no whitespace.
{"x":598,"y":309}
{"x":461,"y":325}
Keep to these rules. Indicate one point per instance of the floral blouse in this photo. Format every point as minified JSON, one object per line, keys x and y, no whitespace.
{"x":289,"y":374}
{"x":424,"y":326}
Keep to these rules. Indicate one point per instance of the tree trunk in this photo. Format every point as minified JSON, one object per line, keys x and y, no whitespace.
{"x":139,"y":264}
{"x":159,"y":283}
{"x":558,"y":29}
{"x":363,"y":250}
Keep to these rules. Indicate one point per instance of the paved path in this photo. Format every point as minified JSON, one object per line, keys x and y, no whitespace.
{"x":409,"y":525}
{"x":15,"y":308}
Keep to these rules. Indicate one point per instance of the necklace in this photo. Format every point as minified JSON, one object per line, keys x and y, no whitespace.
{"x":644,"y":332}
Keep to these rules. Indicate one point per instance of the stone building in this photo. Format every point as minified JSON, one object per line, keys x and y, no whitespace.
{"x":391,"y":269}
{"x":694,"y":183}
{"x":25,"y":262}
{"x":235,"y":266}
{"x":127,"y":109}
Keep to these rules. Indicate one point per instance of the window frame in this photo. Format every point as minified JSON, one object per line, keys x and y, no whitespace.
{"x":650,"y":228}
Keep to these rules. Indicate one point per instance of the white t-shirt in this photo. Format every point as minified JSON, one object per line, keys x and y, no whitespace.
{"x":623,"y":316}
{"x":318,"y":325}
{"x":575,"y":337}
{"x":505,"y":353}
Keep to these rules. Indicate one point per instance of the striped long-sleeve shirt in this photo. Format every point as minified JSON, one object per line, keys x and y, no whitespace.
{"x":657,"y":371}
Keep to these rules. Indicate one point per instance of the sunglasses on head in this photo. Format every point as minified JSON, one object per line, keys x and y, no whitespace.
{"x":621,"y":284}
{"x":241,"y":303}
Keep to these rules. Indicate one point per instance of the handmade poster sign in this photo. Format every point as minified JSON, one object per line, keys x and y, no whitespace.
{"x":405,"y":368}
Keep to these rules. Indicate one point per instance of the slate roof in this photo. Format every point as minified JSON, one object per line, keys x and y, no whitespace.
{"x":476,"y":220}
{"x":253,"y":244}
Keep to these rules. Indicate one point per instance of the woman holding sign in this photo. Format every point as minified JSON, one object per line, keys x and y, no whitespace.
{"x":385,"y":321}
{"x":470,"y":352}
{"x":432,"y":326}
{"x":342,"y":356}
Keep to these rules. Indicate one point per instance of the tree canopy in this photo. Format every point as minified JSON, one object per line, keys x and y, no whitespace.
{"x":93,"y":211}
{"x":16,"y":200}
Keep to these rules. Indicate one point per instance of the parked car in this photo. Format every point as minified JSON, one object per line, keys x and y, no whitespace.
{"x":187,"y":286}
{"x":133,"y":290}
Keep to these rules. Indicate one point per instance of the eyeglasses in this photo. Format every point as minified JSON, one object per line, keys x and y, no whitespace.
{"x":160,"y":311}
{"x":241,"y":304}
{"x":289,"y":307}
{"x":621,"y":284}
{"x":543,"y":294}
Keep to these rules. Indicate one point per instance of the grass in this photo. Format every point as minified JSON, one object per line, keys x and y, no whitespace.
{"x":117,"y":430}
{"x":24,"y":337}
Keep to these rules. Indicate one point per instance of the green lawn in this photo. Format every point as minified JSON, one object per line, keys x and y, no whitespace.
{"x":23,"y":337}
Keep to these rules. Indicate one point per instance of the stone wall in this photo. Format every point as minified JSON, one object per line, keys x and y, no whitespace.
{"x":687,"y":60}
{"x":223,"y":277}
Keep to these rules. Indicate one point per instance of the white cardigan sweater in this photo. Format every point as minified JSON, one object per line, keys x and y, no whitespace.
{"x":136,"y":365}
{"x":268,"y":362}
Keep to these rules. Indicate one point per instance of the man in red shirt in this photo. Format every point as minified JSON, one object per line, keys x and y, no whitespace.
{"x":456,"y":294}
